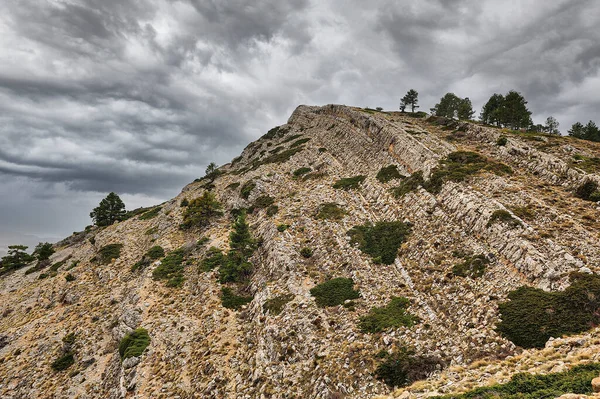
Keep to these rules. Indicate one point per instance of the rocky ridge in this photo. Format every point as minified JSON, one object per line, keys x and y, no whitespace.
{"x":201,"y":350}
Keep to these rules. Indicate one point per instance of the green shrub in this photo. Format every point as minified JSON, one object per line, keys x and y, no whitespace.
{"x":380,"y":240}
{"x":281,"y":157}
{"x":282,"y":227}
{"x":156,"y":252}
{"x":394,"y":314}
{"x":577,"y":380}
{"x":588,"y":191}
{"x":63,"y":362}
{"x":322,"y":150}
{"x":473,"y":266}
{"x":502,"y":216}
{"x":410,"y":184}
{"x":459,"y":165}
{"x":349,"y":183}
{"x":69,"y":277}
{"x":109,"y":252}
{"x":275,"y":305}
{"x":293,"y":137}
{"x":233,"y":186}
{"x":331,"y":211}
{"x":334,"y":292}
{"x":456,"y":167}
{"x":263,"y":201}
{"x":184,"y":202}
{"x":589,"y":164}
{"x":134,"y":343}
{"x":230,"y":300}
{"x":272,"y":210}
{"x":171,"y":269}
{"x":276,"y":132}
{"x":201,"y":211}
{"x":532,"y":316}
{"x":214,"y":258}
{"x":388,"y":173}
{"x":402,"y":367}
{"x":306,"y":252}
{"x":58,"y":265}
{"x":151,"y":231}
{"x":299,"y":142}
{"x":301,"y":171}
{"x":502,"y":141}
{"x":247,"y":189}
{"x":152,"y":213}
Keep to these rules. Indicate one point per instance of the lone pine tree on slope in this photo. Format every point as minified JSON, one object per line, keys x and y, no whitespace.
{"x":410,"y":99}
{"x":110,"y":210}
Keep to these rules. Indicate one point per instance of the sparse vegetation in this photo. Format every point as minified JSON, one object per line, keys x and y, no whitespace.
{"x":334,"y":292}
{"x":380,"y":240}
{"x":171,"y":269}
{"x":184,"y":202}
{"x":152,"y":213}
{"x":301,"y":171}
{"x":306,"y":252}
{"x":403,"y":367}
{"x":272,"y":210}
{"x":65,"y":361}
{"x":247,"y":189}
{"x":502,"y":141}
{"x":214,"y":259}
{"x":473,"y":266}
{"x":528,"y":386}
{"x":282,"y":227}
{"x":263,"y":201}
{"x":69,"y":277}
{"x":532,"y":316}
{"x":394,"y":314}
{"x":134,"y":343}
{"x":154,"y":253}
{"x":349,"y":183}
{"x":230,"y":300}
{"x":201,"y":211}
{"x":456,"y":167}
{"x":503,"y":216}
{"x":388,"y":173}
{"x":300,"y":142}
{"x":331,"y":211}
{"x":275,"y":305}
{"x":588,"y":191}
{"x":589,"y":164}
{"x":109,"y":252}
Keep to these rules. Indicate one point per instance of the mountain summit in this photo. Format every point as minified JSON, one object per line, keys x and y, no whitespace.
{"x":343,"y":254}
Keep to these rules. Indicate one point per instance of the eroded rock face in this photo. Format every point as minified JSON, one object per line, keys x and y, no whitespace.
{"x":200,"y":349}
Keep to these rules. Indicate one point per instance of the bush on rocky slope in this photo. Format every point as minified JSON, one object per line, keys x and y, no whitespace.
{"x":473,"y":266}
{"x":275,"y":305}
{"x":532,"y":316}
{"x":403,"y":367}
{"x":394,"y":314}
{"x":588,"y":191}
{"x":503,"y":216}
{"x":171,"y":269}
{"x":201,"y":210}
{"x":63,"y":362}
{"x":230,"y":300}
{"x":349,"y":183}
{"x":109,"y":252}
{"x":527,"y":386}
{"x":380,"y":240}
{"x":134,"y":343}
{"x":214,"y":258}
{"x":456,"y":167}
{"x":334,"y":292}
{"x":154,"y":253}
{"x":388,"y":173}
{"x":331,"y":211}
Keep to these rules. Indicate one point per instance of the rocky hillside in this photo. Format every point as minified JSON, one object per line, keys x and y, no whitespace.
{"x":477,"y":212}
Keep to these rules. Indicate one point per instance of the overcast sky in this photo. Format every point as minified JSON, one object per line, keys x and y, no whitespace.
{"x":138,"y":96}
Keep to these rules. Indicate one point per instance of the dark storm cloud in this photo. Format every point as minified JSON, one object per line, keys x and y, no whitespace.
{"x":139,"y":96}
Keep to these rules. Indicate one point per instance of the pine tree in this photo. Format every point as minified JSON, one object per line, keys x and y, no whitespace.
{"x":551,"y":125}
{"x":447,"y":107}
{"x":490,"y":112}
{"x":15,"y":259}
{"x":410,"y":99}
{"x":43,"y":251}
{"x":515,"y":114}
{"x":110,"y":210}
{"x":465,"y":109}
{"x":237,"y":267}
{"x":212,"y":171}
{"x":577,"y":130}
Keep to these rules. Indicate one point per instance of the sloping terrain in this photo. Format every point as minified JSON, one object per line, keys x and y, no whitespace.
{"x":200,"y":349}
